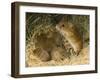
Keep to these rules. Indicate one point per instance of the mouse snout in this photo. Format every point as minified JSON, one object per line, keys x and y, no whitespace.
{"x":57,"y":27}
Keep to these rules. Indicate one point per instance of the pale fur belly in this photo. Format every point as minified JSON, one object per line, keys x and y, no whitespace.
{"x":75,"y":41}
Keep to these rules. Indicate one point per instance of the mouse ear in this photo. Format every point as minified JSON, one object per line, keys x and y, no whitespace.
{"x":64,"y":18}
{"x":71,"y":24}
{"x":62,"y":21}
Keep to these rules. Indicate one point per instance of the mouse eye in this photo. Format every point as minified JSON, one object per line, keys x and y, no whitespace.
{"x":63,"y":25}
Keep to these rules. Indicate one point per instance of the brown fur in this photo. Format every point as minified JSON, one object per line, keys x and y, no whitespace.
{"x":48,"y":42}
{"x":70,"y":32}
{"x":42,"y":54}
{"x":58,"y":54}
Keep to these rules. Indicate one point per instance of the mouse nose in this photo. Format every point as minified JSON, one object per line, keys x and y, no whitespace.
{"x":56,"y":26}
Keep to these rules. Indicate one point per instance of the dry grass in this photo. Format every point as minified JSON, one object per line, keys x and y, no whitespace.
{"x":33,"y":61}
